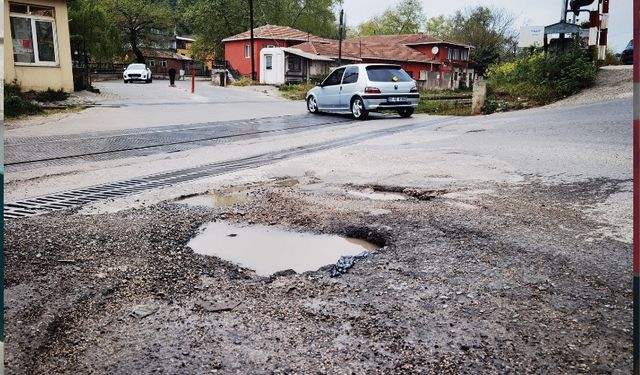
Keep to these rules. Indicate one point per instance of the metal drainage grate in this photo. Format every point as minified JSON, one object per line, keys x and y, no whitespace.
{"x":78,"y":197}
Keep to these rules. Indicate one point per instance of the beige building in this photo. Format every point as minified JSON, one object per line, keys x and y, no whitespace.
{"x":37,"y":48}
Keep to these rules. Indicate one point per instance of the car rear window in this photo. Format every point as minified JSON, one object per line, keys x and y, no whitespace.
{"x":387,"y":74}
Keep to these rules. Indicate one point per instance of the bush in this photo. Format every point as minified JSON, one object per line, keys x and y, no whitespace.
{"x":541,"y":78}
{"x":48,"y":96}
{"x":16,"y":103}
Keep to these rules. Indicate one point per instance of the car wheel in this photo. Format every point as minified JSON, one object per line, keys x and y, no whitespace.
{"x":125,"y":81}
{"x":150,"y":79}
{"x":405,"y":112}
{"x":357,"y":109}
{"x":312,"y":104}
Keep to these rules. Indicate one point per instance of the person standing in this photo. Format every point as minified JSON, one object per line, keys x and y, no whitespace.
{"x":172,"y":77}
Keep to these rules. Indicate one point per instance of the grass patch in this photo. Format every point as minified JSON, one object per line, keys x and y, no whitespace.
{"x":245,"y":81}
{"x":297,"y":91}
{"x":443,"y":107}
{"x":69,"y":109}
{"x":448,"y":93}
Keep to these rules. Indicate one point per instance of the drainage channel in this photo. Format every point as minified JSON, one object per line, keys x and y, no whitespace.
{"x":29,"y":153}
{"x":78,"y":197}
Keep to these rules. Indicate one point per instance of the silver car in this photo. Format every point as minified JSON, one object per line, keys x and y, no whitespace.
{"x":361,"y":88}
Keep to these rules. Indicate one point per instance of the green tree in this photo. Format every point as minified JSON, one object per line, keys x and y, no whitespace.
{"x":140,"y":22}
{"x":405,"y":18}
{"x":490,"y":30}
{"x":214,"y":20}
{"x":439,"y":27}
{"x":94,"y":35}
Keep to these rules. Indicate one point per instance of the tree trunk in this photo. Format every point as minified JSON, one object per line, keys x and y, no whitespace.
{"x":136,"y":51}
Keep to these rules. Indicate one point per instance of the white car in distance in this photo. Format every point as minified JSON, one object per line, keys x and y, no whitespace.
{"x":137,"y":72}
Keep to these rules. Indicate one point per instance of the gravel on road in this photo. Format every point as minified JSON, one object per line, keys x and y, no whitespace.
{"x":516,"y":280}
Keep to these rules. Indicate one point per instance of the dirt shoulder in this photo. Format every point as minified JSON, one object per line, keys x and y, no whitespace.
{"x":515,"y":279}
{"x":613,"y":82}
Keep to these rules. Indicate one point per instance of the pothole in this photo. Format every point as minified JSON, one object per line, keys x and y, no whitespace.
{"x":268,"y":250}
{"x":377,"y":196}
{"x":215,"y":199}
{"x":392,"y":192}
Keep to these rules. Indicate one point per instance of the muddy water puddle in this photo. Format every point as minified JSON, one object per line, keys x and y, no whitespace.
{"x":269,"y":249}
{"x":215,"y":200}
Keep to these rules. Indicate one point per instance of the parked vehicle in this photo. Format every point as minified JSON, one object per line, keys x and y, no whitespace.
{"x":137,"y":72}
{"x":361,"y":88}
{"x":627,"y":54}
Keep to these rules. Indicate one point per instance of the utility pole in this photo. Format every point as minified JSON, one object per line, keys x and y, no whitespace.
{"x":565,"y":6}
{"x":253,"y":65}
{"x":340,"y":32}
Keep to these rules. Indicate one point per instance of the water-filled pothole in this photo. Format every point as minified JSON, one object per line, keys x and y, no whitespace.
{"x":215,"y":199}
{"x":269,"y":249}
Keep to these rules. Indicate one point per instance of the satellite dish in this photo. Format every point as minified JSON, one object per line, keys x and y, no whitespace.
{"x":435,"y":50}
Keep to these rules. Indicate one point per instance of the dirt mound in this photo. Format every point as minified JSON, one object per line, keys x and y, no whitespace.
{"x":613,"y":82}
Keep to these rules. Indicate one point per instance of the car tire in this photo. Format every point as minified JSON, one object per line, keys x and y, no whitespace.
{"x":357,"y":109}
{"x":312,"y":105}
{"x":405,"y":112}
{"x":125,"y":81}
{"x":150,"y":79}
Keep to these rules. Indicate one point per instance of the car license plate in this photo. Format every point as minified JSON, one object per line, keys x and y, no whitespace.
{"x":395,"y":99}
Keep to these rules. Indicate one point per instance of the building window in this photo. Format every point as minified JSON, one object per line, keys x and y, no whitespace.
{"x":33,"y":35}
{"x":294,"y":64}
{"x":163,"y":63}
{"x":449,"y":54}
{"x":151,"y":62}
{"x":247,"y":51}
{"x":268,"y":62}
{"x":456,"y":54}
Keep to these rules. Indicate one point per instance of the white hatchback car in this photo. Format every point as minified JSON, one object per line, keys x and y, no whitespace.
{"x":361,"y":88}
{"x":137,"y":72}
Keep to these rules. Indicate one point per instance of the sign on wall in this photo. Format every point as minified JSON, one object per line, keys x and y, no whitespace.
{"x":531,"y":36}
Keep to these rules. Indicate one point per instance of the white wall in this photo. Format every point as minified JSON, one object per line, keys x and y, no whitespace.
{"x":275,"y":75}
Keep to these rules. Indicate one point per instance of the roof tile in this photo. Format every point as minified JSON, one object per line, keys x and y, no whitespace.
{"x":274,"y":32}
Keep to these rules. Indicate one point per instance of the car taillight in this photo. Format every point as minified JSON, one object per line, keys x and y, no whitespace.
{"x":372,"y":90}
{"x":414,"y":89}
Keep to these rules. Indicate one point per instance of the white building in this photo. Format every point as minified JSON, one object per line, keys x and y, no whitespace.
{"x":290,"y":65}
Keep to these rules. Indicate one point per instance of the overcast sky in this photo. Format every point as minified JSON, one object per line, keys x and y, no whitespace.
{"x":528,"y":13}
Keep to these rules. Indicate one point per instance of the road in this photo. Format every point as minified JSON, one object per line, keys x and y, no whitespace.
{"x":510,"y":252}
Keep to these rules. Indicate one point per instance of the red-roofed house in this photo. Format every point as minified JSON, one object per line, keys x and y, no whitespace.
{"x":432,"y":62}
{"x":237,"y":48}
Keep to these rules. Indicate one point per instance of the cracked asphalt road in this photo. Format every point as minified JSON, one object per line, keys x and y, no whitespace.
{"x":510,"y":254}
